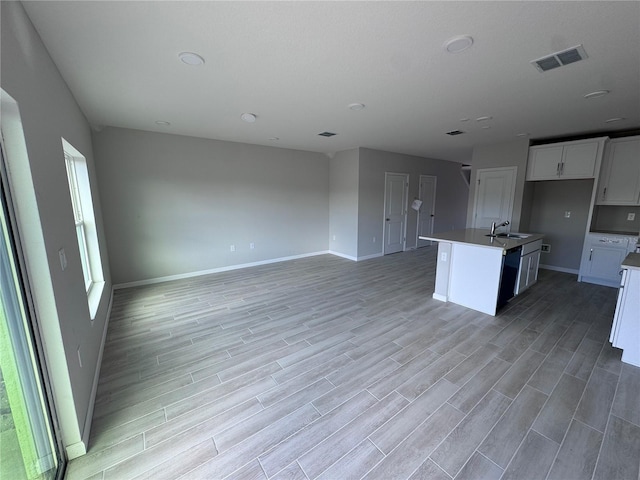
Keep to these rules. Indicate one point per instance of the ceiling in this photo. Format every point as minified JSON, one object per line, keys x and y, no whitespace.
{"x":298,"y":65}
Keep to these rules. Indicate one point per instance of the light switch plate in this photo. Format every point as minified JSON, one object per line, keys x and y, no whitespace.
{"x":631,"y":217}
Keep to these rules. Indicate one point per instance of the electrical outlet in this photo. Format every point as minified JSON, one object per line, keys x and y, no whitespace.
{"x":232,"y":248}
{"x":374,"y":239}
{"x":443,"y":256}
{"x":631,"y":217}
{"x":252,"y":245}
{"x":567,"y":214}
{"x":334,"y":238}
{"x":546,"y":248}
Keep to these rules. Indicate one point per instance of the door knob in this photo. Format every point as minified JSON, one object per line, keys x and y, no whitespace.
{"x":388,"y":219}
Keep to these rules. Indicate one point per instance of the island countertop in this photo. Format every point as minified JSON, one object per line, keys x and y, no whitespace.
{"x":632,"y":261}
{"x":479,"y":237}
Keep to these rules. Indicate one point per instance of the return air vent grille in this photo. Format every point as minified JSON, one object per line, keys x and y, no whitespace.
{"x":559,"y":59}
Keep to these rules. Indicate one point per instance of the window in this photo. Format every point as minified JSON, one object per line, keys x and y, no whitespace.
{"x":86,"y":233}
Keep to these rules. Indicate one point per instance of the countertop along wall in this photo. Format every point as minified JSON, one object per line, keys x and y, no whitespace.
{"x":48,"y":112}
{"x":173,"y":205}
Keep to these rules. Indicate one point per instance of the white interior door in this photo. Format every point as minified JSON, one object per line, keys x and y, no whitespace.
{"x":395,"y":211}
{"x":427,"y":212}
{"x":495,"y":191}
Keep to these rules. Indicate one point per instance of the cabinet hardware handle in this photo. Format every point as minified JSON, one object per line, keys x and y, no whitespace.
{"x":591,"y":254}
{"x":558,"y":169}
{"x":561,"y":168}
{"x":604,"y":193}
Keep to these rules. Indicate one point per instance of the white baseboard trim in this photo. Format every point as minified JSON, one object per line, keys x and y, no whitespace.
{"x":94,"y":389}
{"x":559,"y":269}
{"x":342,"y":255}
{"x":442,"y":298}
{"x":367,"y":257}
{"x":599,"y":281}
{"x":182,"y":276}
{"x":76,"y":450}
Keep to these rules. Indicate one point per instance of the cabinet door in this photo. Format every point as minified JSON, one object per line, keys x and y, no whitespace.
{"x":615,"y":328}
{"x":534,"y":262}
{"x":579,"y":160}
{"x":605,"y":262}
{"x":620,"y":183}
{"x":544,"y":163}
{"x":521,"y":284}
{"x":528,"y":273}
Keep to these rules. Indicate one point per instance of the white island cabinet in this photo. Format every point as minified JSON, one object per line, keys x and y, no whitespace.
{"x":625,"y":331}
{"x":482,"y":272}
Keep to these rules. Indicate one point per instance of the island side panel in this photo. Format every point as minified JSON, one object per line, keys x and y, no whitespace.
{"x":443,"y":264}
{"x":474,"y":277}
{"x":629,"y":333}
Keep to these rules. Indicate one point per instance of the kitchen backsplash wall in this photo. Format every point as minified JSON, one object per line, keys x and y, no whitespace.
{"x":613,"y":219}
{"x":560,"y":211}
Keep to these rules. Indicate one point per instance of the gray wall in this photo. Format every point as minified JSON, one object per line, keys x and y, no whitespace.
{"x":174,"y":205}
{"x":49,"y":112}
{"x":451,"y":195}
{"x":502,"y":155}
{"x":343,"y":201}
{"x":551,"y":200}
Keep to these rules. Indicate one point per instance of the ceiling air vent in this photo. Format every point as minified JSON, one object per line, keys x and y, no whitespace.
{"x":455,"y":132}
{"x":327,"y":134}
{"x":559,"y":59}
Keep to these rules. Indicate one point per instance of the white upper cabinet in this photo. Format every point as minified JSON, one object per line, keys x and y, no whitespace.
{"x":620,"y":174}
{"x":565,"y":161}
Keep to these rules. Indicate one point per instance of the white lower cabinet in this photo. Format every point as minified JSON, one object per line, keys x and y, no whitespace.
{"x":529,"y":261}
{"x":625,"y":331}
{"x":602,"y":257}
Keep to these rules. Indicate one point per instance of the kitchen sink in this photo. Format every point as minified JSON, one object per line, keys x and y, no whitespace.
{"x":509,"y":235}
{"x":512,"y":235}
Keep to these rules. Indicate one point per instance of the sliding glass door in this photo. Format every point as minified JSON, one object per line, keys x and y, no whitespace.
{"x":28,"y":446}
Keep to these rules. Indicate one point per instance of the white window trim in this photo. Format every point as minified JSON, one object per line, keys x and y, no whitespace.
{"x":84,"y":217}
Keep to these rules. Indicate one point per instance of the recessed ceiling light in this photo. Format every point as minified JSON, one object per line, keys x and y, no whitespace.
{"x":524,"y":134}
{"x":163,"y":123}
{"x":356,"y":106}
{"x":191,"y":58}
{"x":274,"y":139}
{"x":616,"y":119}
{"x":248,"y":117}
{"x":458,"y":44}
{"x":464,"y":119}
{"x":483,"y":119}
{"x":486,"y":127}
{"x":327,"y":134}
{"x":453,"y":133}
{"x":597,"y":93}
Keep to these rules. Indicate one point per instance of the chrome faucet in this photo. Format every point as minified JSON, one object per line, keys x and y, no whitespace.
{"x":494,"y":226}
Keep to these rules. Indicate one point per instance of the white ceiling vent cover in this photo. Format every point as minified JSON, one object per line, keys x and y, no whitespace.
{"x":559,"y":59}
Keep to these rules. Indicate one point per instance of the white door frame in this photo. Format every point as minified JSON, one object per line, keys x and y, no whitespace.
{"x":405,"y":198}
{"x":510,"y":170}
{"x":432,"y":213}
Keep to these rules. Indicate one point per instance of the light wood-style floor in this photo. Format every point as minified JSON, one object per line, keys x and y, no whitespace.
{"x":325,"y":368}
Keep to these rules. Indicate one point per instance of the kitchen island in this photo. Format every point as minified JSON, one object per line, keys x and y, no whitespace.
{"x":625,"y":331}
{"x":483,"y":272}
